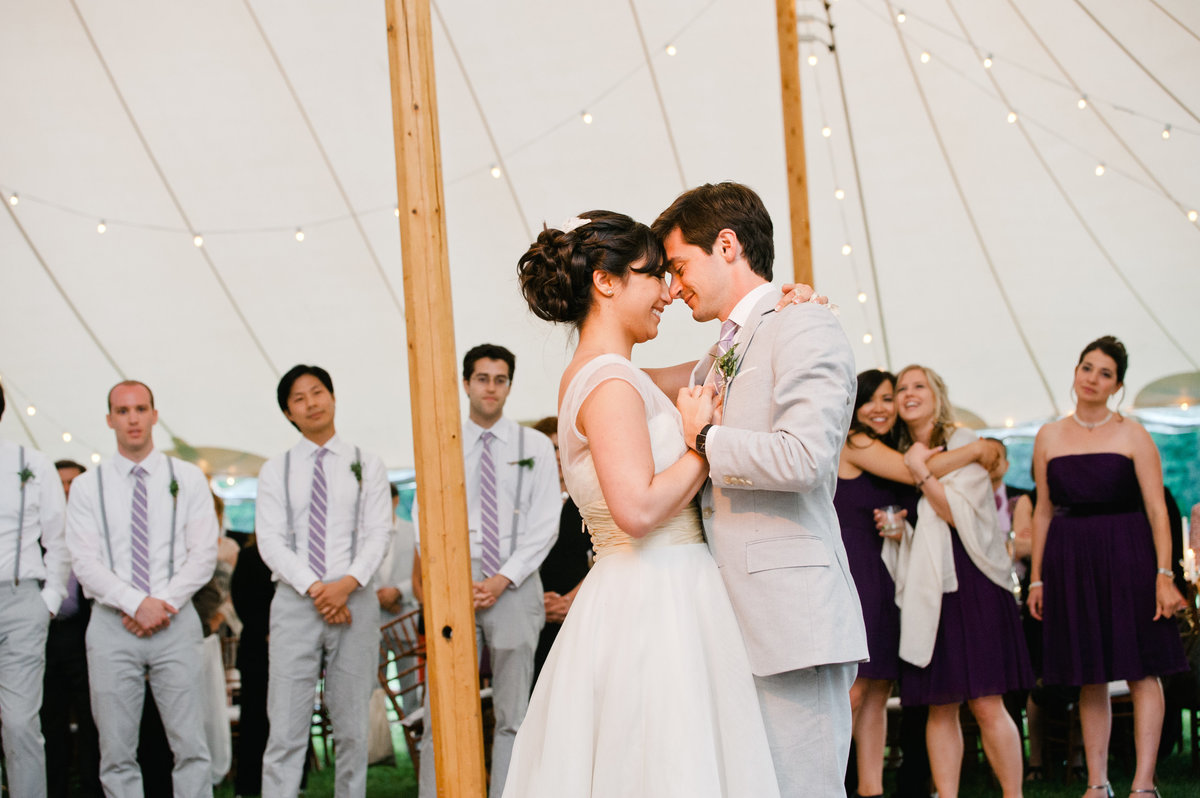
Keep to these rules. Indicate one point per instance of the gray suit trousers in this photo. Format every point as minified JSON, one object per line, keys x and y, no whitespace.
{"x":510,"y":627}
{"x":24,"y":622}
{"x":808,"y":720}
{"x":118,"y":665}
{"x":299,"y":639}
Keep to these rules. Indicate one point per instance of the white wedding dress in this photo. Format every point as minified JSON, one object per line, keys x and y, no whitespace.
{"x":647,"y":692}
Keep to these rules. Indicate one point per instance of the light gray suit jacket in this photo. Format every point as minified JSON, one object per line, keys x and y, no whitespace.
{"x":768,"y":506}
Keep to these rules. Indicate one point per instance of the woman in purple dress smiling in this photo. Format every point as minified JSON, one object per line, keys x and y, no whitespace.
{"x":1101,"y":571}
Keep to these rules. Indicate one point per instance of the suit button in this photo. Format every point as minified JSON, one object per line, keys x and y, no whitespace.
{"x":730,"y":481}
{"x":708,"y":511}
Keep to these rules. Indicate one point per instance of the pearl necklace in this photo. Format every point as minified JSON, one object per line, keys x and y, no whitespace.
{"x":1091,"y":425}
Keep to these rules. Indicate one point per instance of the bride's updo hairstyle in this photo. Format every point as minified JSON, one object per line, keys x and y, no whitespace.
{"x":556,"y":271}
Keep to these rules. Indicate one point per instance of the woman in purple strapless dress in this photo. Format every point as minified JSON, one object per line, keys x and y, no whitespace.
{"x":872,"y":475}
{"x":960,"y":638}
{"x":1101,"y":578}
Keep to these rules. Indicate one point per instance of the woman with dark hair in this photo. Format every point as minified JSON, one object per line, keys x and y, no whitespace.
{"x":1101,"y":570}
{"x":872,"y":475}
{"x":960,"y":632}
{"x":647,"y":691}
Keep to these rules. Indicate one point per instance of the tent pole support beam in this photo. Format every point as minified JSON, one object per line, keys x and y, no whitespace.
{"x":793,"y":140}
{"x":453,"y":673}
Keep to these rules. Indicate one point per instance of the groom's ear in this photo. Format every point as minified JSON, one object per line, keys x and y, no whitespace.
{"x":727,"y":245}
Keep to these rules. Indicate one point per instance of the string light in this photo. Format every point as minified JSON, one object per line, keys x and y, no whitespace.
{"x":846,"y":249}
{"x":1012,"y":117}
{"x":671,"y":49}
{"x":1192,"y":215}
{"x":827,"y":131}
{"x":587,"y":118}
{"x":198,"y":240}
{"x":862,"y":297}
{"x":987,"y":61}
{"x":299,"y":234}
{"x":812,"y":60}
{"x":496,"y":171}
{"x":101,"y":228}
{"x":867,"y":338}
{"x":31,"y":411}
{"x":925,"y":56}
{"x":1184,"y":405}
{"x":66,"y":437}
{"x":1166,"y":134}
{"x":1100,"y":170}
{"x":901,"y":16}
{"x":396,"y":210}
{"x":1082,"y":103}
{"x":95,"y":457}
{"x":1008,"y":422}
{"x":839,"y":193}
{"x":14,"y":200}
{"x":230,"y":481}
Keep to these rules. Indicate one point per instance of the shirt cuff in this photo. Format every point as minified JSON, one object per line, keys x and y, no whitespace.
{"x":307,"y":578}
{"x":130,"y":599}
{"x":363,"y":575}
{"x":52,"y":599}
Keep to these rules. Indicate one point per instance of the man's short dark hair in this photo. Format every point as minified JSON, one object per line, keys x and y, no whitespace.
{"x":284,"y":390}
{"x":129,"y":384}
{"x":488,"y":352}
{"x":1,"y":401}
{"x":61,"y":464}
{"x":393,"y":490}
{"x":703,"y":212}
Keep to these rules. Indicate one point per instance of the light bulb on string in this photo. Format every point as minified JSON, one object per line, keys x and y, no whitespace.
{"x":839,"y":193}
{"x":101,"y":228}
{"x":31,"y":411}
{"x":925,"y":56}
{"x":396,"y":210}
{"x":198,"y":240}
{"x":862,"y":297}
{"x":812,"y":60}
{"x":827,"y":131}
{"x":867,"y":338}
{"x":230,"y":481}
{"x":1012,"y":117}
{"x":95,"y":457}
{"x":901,"y":16}
{"x":1184,"y":405}
{"x":1100,"y":170}
{"x":299,"y":234}
{"x":1082,"y":102}
{"x":14,"y":200}
{"x":495,"y":172}
{"x":846,"y":250}
{"x":1166,"y":131}
{"x":66,"y":437}
{"x":586,"y":117}
{"x":671,"y":49}
{"x":1192,"y":215}
{"x":987,"y":61}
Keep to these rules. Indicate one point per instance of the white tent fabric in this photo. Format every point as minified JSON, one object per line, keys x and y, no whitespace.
{"x":246,"y":121}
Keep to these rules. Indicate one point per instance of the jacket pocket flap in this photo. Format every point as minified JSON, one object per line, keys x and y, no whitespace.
{"x":794,"y":552}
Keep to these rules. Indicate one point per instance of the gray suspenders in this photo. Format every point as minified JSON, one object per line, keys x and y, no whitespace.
{"x":517,"y":497}
{"x":287,"y":503}
{"x":20,"y":515}
{"x":104,"y":519}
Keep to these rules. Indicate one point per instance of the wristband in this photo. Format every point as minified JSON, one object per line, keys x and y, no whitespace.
{"x":701,"y":437}
{"x":1032,"y":585}
{"x":1165,"y":572}
{"x":921,"y":481}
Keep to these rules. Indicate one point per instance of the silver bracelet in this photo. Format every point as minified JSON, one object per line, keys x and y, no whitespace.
{"x":1165,"y":572}
{"x":1032,"y":585}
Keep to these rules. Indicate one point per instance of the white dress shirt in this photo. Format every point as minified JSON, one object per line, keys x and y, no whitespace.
{"x":43,"y":520}
{"x":342,"y":487}
{"x":536,"y":512}
{"x":110,"y":581}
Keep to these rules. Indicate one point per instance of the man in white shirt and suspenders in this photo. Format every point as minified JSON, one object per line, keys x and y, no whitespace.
{"x":143,"y":538}
{"x":513,"y":508}
{"x":33,"y":587}
{"x":322,"y":521}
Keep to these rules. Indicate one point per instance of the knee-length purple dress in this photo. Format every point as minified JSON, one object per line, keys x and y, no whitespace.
{"x":855,"y":502}
{"x":1099,"y":571}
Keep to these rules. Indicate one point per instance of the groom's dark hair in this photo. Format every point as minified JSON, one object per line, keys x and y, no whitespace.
{"x":703,"y":212}
{"x":488,"y":352}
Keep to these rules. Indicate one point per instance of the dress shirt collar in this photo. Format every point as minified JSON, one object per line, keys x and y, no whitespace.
{"x":745,"y":306}
{"x":152,"y":462}
{"x":502,"y":429}
{"x":307,"y":449}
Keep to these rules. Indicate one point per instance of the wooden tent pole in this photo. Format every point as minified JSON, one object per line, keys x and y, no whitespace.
{"x":793,"y":139}
{"x":453,"y":675}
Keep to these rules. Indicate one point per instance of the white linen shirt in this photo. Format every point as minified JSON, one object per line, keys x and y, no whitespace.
{"x":537,"y":510}
{"x":110,"y":581}
{"x":43,"y":520}
{"x":342,"y":485}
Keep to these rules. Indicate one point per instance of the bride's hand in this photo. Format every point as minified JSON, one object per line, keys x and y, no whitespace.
{"x":798,"y":293}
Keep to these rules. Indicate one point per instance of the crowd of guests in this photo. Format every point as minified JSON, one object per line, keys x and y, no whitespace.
{"x":960,"y":577}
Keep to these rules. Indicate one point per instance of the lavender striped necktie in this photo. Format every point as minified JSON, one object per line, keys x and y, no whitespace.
{"x":729,"y":329}
{"x":318,"y":509}
{"x":489,"y":510}
{"x":139,"y":540}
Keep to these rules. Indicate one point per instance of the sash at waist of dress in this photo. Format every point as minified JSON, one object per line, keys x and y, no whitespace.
{"x":607,"y":538}
{"x":1098,"y":508}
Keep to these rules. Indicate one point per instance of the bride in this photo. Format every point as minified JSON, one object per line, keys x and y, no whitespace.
{"x":647,"y":691}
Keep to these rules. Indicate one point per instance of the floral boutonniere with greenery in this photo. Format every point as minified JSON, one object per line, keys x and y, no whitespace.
{"x":174,"y":488}
{"x":525,"y":462}
{"x":25,"y":474}
{"x":727,"y":363}
{"x":356,"y":467}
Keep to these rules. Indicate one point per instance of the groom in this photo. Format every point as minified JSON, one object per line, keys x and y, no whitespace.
{"x":787,"y":378}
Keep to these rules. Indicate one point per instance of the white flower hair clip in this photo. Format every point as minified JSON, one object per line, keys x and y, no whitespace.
{"x":573,"y":223}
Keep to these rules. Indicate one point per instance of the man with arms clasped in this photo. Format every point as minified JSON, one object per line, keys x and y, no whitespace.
{"x":143,"y":538}
{"x":787,"y":385}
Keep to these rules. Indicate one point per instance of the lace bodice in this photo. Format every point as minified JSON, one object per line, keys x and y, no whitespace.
{"x":666,"y":444}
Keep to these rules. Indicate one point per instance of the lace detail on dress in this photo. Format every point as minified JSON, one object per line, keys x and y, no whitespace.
{"x":607,"y":538}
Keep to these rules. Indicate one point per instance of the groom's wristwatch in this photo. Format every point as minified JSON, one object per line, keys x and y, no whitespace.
{"x":701,"y":437}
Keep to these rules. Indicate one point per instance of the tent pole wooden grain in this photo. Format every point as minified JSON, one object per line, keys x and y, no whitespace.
{"x":793,"y":139}
{"x":437,"y":427}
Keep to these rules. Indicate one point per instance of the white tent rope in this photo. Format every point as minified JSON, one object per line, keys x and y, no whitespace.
{"x":1087,"y":228}
{"x":987,"y":256}
{"x":662,"y":107}
{"x":487,"y":127}
{"x":1175,"y":19}
{"x":862,"y":204}
{"x":312,"y":131}
{"x":1134,"y":59}
{"x":167,"y":187}
{"x":1094,"y":108}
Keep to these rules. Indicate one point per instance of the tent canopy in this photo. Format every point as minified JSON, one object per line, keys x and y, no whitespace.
{"x":988,"y":249}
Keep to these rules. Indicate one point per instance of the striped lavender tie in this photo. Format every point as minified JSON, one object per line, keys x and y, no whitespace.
{"x":489,"y":510}
{"x":317,"y":510}
{"x":139,"y":540}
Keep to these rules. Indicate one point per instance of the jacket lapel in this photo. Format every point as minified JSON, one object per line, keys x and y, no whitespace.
{"x":764,"y":310}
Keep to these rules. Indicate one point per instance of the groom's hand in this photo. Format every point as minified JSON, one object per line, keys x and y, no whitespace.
{"x":696,"y":406}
